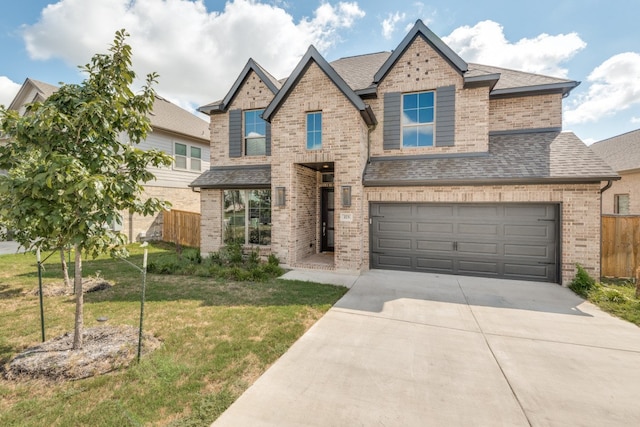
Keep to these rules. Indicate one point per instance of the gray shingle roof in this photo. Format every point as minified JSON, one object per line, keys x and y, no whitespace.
{"x":621,"y":152}
{"x":165,"y":115}
{"x":170,"y":117}
{"x":232,"y":177}
{"x":358,"y":71}
{"x":512,"y":158}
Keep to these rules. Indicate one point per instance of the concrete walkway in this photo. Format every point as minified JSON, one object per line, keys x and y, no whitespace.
{"x":409,"y":349}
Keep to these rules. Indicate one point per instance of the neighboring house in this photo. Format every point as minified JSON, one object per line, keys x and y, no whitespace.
{"x":174,"y":131}
{"x":622,"y":153}
{"x":409,"y":160}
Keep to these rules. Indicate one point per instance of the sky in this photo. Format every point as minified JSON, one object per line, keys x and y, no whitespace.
{"x":198,"y":47}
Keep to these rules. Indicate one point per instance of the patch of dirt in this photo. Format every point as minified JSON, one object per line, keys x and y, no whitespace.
{"x":105,"y":348}
{"x":90,"y":284}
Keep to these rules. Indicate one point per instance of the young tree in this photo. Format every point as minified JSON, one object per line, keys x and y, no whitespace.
{"x":73,"y":165}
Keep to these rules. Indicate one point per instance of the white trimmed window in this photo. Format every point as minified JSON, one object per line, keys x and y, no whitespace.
{"x":187,"y":157}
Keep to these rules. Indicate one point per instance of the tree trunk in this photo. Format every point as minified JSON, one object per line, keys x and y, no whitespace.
{"x":65,"y":271}
{"x":77,"y":283}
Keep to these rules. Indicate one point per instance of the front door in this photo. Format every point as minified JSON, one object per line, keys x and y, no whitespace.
{"x":327,"y":227}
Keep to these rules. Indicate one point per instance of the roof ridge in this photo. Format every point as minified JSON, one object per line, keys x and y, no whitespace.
{"x":616,"y":136}
{"x":520,"y":71}
{"x":362,"y":54}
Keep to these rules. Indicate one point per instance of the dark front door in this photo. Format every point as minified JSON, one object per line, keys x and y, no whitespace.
{"x":327,"y":227}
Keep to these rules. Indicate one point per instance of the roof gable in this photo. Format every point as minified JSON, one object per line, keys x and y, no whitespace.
{"x":271,"y":82}
{"x":419,"y":29}
{"x":313,"y":55}
{"x":621,"y":152}
{"x":43,"y":91}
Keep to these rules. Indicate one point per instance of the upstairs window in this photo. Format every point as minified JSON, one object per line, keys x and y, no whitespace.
{"x":621,"y":204}
{"x":255,"y":133}
{"x":314,"y":131}
{"x":187,"y":157}
{"x":418,"y":112}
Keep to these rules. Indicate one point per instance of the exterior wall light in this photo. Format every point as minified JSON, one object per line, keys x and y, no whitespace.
{"x":280,"y":196}
{"x":345,"y":194}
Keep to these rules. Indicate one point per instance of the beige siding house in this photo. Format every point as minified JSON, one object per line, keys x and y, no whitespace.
{"x":622,"y":153}
{"x":405,"y":160}
{"x":174,"y":131}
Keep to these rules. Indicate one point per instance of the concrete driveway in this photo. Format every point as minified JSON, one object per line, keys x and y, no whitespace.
{"x":416,"y":349}
{"x":10,"y":247}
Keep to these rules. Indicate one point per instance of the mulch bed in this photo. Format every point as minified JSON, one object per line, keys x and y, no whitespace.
{"x":60,"y":289}
{"x":105,"y":348}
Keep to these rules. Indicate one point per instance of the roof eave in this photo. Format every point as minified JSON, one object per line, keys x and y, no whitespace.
{"x":477,"y":182}
{"x":564,"y":88}
{"x":478,"y":81}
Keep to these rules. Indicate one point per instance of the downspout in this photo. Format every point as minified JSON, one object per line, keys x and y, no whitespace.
{"x":602,"y":190}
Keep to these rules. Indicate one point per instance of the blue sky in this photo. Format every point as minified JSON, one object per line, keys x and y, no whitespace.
{"x":199,"y":47}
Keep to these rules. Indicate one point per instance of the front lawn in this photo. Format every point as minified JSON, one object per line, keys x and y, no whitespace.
{"x":217,"y":335}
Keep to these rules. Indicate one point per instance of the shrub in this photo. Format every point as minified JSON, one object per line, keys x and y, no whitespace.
{"x":273,"y":260}
{"x":192,"y":255}
{"x":582,"y":283}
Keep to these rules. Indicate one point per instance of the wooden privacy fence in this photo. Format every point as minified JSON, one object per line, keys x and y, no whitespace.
{"x":620,"y":245}
{"x":181,"y":228}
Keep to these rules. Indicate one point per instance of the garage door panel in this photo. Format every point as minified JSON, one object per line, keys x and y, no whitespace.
{"x":395,"y":210}
{"x":477,"y":267}
{"x":477,"y":248}
{"x":518,"y":241}
{"x":435,"y":264}
{"x":477,"y":229}
{"x":519,"y":230}
{"x":391,"y":261}
{"x":392,"y":244}
{"x":434,"y":245}
{"x":526,"y":270}
{"x":434,"y":211}
{"x":404,"y":226}
{"x":434,"y":227}
{"x":536,"y":251}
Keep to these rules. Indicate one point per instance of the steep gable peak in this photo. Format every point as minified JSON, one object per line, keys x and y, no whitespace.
{"x":421,"y":30}
{"x":252,"y":66}
{"x":312,"y":55}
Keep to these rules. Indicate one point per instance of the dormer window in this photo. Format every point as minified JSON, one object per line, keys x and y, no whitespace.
{"x":418,"y":112}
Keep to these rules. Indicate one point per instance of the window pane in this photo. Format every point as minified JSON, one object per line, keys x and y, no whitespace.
{"x":426,"y":115}
{"x":195,"y":164}
{"x":196,"y":153}
{"x":258,"y":225}
{"x":254,"y":126}
{"x":180,"y":162}
{"x":425,"y":99}
{"x":180,"y":149}
{"x":256,"y":147}
{"x":410,"y":117}
{"x":314,"y":131}
{"x":410,"y":101}
{"x":425,"y":136}
{"x":410,"y":136}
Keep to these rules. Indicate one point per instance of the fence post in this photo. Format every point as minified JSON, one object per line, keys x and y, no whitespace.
{"x":638,"y":282}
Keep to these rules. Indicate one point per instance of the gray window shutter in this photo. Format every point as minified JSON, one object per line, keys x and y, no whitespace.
{"x":267,"y":138}
{"x":235,"y":133}
{"x":391,"y":129}
{"x":445,"y":116}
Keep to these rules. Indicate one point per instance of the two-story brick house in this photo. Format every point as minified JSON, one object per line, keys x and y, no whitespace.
{"x":410,"y":160}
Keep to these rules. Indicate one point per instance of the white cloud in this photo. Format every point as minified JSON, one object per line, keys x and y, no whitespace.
{"x":197,"y":53}
{"x":614,"y":87}
{"x":486,"y":43}
{"x":635,"y":119}
{"x":389,"y":24}
{"x":8,"y":90}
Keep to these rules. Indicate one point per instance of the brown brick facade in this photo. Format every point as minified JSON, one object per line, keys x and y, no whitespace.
{"x":347,"y":142}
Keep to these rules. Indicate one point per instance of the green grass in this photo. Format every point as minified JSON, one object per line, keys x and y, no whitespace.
{"x":617,"y":297}
{"x":218,"y":337}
